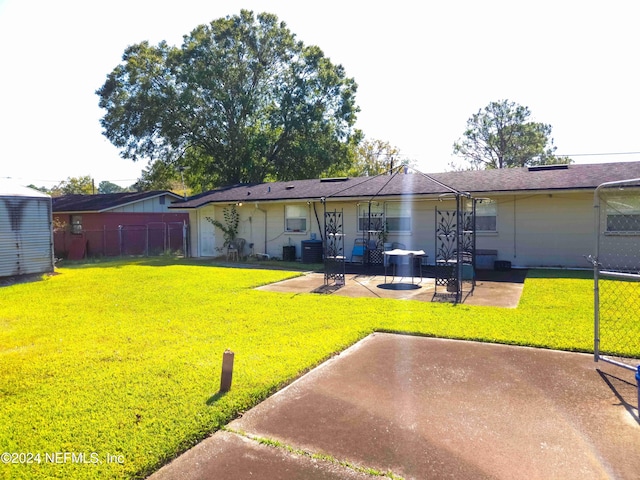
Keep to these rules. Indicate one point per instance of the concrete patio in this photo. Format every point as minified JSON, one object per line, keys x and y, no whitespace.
{"x":499,"y":289}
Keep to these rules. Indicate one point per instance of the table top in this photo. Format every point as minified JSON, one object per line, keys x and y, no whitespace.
{"x":401,"y":252}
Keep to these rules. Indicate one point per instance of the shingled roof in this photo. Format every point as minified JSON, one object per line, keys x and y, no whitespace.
{"x":103,"y":202}
{"x":526,"y":179}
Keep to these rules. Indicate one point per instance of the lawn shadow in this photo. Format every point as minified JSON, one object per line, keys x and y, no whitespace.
{"x":29,"y":278}
{"x":561,"y":273}
{"x":167,"y":261}
{"x":214,"y":398}
{"x":514,"y":275}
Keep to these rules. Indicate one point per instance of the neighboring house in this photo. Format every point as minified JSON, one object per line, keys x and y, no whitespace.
{"x":26,"y":244}
{"x":131,"y":223}
{"x":531,"y":217}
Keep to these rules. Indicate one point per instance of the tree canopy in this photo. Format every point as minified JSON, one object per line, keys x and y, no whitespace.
{"x":501,"y":136}
{"x":109,"y":187}
{"x":84,"y":185}
{"x":371,"y":157}
{"x":240,"y":101}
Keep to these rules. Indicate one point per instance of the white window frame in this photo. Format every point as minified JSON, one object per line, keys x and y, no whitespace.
{"x":623,"y":206}
{"x":363,"y":214}
{"x":296,"y":212}
{"x":487,"y":208}
{"x":404,"y":211}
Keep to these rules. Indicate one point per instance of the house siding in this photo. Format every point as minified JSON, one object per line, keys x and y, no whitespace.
{"x":554,"y":230}
{"x":545,"y":215}
{"x":533,"y":230}
{"x":150,"y":205}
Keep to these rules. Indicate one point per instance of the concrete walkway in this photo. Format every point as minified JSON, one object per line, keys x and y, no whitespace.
{"x":423,"y":408}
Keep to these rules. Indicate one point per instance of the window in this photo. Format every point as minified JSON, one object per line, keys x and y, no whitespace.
{"x":486,"y":216}
{"x":373,"y":222}
{"x":76,"y":224}
{"x":623,"y":214}
{"x":295,"y":218}
{"x":398,"y":216}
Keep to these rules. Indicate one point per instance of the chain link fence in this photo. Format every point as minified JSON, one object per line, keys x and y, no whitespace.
{"x":151,"y":239}
{"x":617,"y":273}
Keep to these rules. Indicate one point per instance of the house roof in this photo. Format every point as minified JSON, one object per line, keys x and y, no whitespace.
{"x":525,"y":179}
{"x":104,"y":201}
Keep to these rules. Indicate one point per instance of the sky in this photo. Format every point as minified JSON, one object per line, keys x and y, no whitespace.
{"x":422,"y":69}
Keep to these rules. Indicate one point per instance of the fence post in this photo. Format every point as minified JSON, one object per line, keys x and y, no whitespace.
{"x":184,"y":239}
{"x":227,"y":371}
{"x":120,"y":240}
{"x":596,"y":279}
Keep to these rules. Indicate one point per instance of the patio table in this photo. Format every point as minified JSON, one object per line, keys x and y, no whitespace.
{"x":400,"y":253}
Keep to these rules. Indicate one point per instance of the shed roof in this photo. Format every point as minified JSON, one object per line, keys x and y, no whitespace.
{"x":525,"y":179}
{"x":104,"y":201}
{"x":9,"y":188}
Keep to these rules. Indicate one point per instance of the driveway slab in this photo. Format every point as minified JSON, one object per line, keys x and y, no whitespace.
{"x":432,"y":408}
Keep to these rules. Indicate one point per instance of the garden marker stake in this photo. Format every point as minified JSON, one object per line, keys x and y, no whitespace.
{"x":227,"y":371}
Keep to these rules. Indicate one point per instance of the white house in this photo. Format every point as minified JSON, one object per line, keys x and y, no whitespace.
{"x":531,"y":217}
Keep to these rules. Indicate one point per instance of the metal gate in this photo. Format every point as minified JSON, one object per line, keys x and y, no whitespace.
{"x":616,"y":265}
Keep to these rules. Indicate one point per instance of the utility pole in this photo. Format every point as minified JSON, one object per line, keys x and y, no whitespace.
{"x":184,"y":189}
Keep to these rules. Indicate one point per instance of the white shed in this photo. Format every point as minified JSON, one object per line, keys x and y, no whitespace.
{"x":26,"y":235}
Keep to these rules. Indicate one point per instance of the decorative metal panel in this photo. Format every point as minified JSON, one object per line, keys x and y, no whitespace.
{"x":455,"y":248}
{"x":334,"y":257}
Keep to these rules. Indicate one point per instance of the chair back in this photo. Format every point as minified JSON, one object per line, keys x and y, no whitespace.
{"x":237,"y":244}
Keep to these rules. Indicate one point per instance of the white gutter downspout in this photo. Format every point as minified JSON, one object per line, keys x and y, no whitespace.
{"x":265,"y":227}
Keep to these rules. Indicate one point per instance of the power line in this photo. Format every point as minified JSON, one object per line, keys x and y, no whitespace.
{"x":33,"y":180}
{"x":594,"y":154}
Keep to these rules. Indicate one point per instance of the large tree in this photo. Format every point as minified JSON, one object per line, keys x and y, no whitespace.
{"x":501,"y":136}
{"x":240,"y":101}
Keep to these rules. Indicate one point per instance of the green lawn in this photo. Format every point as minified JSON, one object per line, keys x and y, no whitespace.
{"x":121,"y":361}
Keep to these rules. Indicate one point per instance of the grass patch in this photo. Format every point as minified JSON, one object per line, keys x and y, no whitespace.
{"x":316,"y":456}
{"x":124,"y":358}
